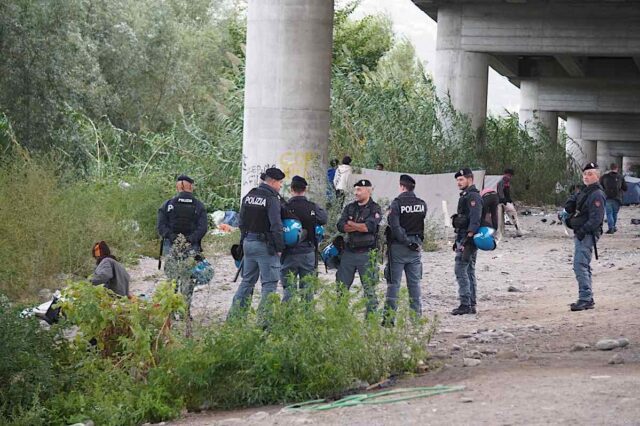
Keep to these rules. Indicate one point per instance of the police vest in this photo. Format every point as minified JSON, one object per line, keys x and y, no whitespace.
{"x":461,"y":219}
{"x":581,"y":214}
{"x":412,"y":211}
{"x":360,"y":214}
{"x":182,"y":214}
{"x":253,"y":214}
{"x":305,"y":212}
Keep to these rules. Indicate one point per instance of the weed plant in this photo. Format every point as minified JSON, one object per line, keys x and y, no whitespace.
{"x":128,"y":365}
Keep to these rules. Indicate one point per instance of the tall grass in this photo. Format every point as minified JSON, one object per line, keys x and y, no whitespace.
{"x":48,"y":226}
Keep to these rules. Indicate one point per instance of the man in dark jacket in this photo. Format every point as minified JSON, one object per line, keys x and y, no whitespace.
{"x":262,"y":241}
{"x":506,"y":202}
{"x":360,"y":220}
{"x":587,"y":210}
{"x":466,"y":223}
{"x":183,"y":214}
{"x":614,"y":186}
{"x":299,"y":261}
{"x":404,"y":243}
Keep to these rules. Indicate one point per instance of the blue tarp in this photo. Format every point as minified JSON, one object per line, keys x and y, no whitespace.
{"x":632,"y":194}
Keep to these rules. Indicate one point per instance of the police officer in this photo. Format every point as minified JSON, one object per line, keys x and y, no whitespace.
{"x":587,"y":214}
{"x":466,"y":223}
{"x":404,"y":239}
{"x":183,"y":214}
{"x":261,"y":239}
{"x":360,"y":220}
{"x":300,"y":261}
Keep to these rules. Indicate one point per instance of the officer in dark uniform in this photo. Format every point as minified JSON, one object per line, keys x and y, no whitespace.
{"x":300,"y":261}
{"x":587,"y":214}
{"x":360,"y":220}
{"x":404,"y":240}
{"x":466,"y":223}
{"x":262,"y":241}
{"x":183,"y":214}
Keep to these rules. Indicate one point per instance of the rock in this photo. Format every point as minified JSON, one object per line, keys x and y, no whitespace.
{"x":232,"y":421}
{"x":616,"y":359}
{"x":90,"y":423}
{"x":463,"y":336}
{"x":508,"y":336}
{"x":577,"y":347}
{"x":507,"y":355}
{"x":456,"y":348}
{"x":474,"y":354}
{"x":513,"y":289}
{"x":482,"y":330}
{"x":466,"y":400}
{"x":489,"y":351}
{"x":623,"y":342}
{"x":45,"y":294}
{"x":359,"y":384}
{"x":607,"y":344}
{"x":485,"y":298}
{"x":302,"y":421}
{"x":471,"y":362}
{"x":446,"y":331}
{"x":258,"y":417}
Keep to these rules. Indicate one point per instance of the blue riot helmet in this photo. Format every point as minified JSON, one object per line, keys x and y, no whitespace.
{"x":319,"y":233}
{"x":331,"y":257}
{"x":292,"y":230}
{"x":484,"y":239}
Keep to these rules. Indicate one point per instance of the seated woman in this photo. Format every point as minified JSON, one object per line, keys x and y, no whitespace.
{"x":109,"y":271}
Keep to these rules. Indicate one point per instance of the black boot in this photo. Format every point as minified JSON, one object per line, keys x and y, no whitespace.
{"x":582,"y":305}
{"x":472,"y":309}
{"x":461,"y":310}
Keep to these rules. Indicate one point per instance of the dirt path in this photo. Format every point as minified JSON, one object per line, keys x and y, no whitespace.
{"x":529,"y":372}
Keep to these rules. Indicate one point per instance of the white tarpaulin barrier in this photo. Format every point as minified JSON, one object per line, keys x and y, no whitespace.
{"x":439,"y":191}
{"x":491,"y":181}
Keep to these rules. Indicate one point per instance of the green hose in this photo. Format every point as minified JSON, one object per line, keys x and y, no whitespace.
{"x":373,"y":398}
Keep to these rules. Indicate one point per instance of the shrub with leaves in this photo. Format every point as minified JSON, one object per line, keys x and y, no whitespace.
{"x":309,"y":350}
{"x":130,"y":331}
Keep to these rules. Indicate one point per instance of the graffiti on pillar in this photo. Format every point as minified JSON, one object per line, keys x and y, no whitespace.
{"x":251,"y":172}
{"x":301,"y":163}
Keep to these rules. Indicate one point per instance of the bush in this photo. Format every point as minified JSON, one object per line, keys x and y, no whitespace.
{"x":27,"y":373}
{"x":311,"y":350}
{"x":48,"y":226}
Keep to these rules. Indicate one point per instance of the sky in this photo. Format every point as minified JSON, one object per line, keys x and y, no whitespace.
{"x":413,"y":24}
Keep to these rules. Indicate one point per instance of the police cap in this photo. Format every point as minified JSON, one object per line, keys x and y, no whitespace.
{"x":466,"y":172}
{"x":407,"y":180}
{"x":362,"y":182}
{"x":274,"y":173}
{"x":185,"y":178}
{"x":590,"y":166}
{"x":299,"y":181}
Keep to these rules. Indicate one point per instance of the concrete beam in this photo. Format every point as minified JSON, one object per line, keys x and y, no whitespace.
{"x":287,"y":91}
{"x":549,"y":28}
{"x":614,"y":127}
{"x":589,"y":95}
{"x":571,"y":65}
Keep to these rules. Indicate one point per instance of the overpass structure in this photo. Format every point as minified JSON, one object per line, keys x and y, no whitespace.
{"x":577,"y":59}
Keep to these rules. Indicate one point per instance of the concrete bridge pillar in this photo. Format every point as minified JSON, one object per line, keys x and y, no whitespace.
{"x":581,"y":150}
{"x":535,"y":120}
{"x":287,"y":89}
{"x":460,"y":76}
{"x":607,"y":155}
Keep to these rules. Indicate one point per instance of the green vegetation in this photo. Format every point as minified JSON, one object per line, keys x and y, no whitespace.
{"x":128,"y":362}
